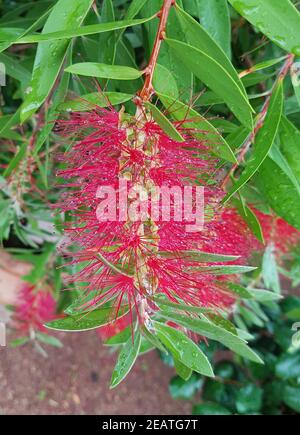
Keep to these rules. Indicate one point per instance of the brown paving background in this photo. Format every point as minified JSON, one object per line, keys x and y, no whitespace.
{"x":75,"y":380}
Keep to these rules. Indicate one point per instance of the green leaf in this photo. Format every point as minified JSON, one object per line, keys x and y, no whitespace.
{"x":210,"y":409}
{"x":199,"y":38}
{"x":126,"y":359}
{"x":250,"y":218}
{"x":239,"y":290}
{"x":164,"y":82}
{"x":264,"y":295}
{"x":279,"y":192}
{"x":90,"y":101}
{"x":92,"y":29}
{"x":151,"y":337}
{"x":223,"y":270}
{"x":184,"y":349}
{"x":183,"y":372}
{"x":288,"y":366}
{"x":270,"y":270}
{"x":290,"y":146}
{"x":15,"y":69}
{"x":19,"y":342}
{"x":201,"y":257}
{"x":276,"y":155}
{"x":120,"y":338}
{"x":164,"y":123}
{"x":278,"y":20}
{"x":249,"y":399}
{"x":215,"y":17}
{"x":295,"y":75}
{"x":49,"y":339}
{"x":199,"y":127}
{"x":204,"y":327}
{"x":291,"y":397}
{"x":264,"y":141}
{"x":182,"y":389}
{"x":116,"y":72}
{"x":50,"y":55}
{"x":216,"y":77}
{"x":16,"y":160}
{"x":107,"y":41}
{"x":9,"y":33}
{"x":85,"y":322}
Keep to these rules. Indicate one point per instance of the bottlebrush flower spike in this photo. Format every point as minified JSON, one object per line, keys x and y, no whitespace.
{"x":278,"y":232}
{"x":34,"y":308}
{"x":124,"y":260}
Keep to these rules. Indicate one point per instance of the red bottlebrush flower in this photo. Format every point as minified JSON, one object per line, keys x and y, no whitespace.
{"x":124,"y":259}
{"x":229,"y":234}
{"x":278,"y":232}
{"x":33,"y":309}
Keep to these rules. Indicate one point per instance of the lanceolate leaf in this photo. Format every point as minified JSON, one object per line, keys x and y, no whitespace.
{"x":90,"y":101}
{"x":126,"y":359}
{"x":213,"y":74}
{"x":201,"y":257}
{"x":279,"y":20}
{"x":215,"y":17}
{"x":250,"y":218}
{"x":290,"y":145}
{"x":223,"y":270}
{"x":199,"y":38}
{"x":203,"y":326}
{"x":101,"y":70}
{"x":85,"y":322}
{"x":50,"y":55}
{"x":263,"y":142}
{"x":199,"y":127}
{"x":164,"y":123}
{"x":184,"y":349}
{"x":280,"y":192}
{"x":83,"y":31}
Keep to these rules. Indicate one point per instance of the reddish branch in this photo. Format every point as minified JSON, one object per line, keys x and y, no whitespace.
{"x":260,"y":120}
{"x":163,"y":15}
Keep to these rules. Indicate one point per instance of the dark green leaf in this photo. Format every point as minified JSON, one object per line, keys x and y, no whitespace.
{"x":180,"y":389}
{"x":213,"y":74}
{"x":116,"y":72}
{"x":263,"y":142}
{"x":210,"y":409}
{"x":291,"y":397}
{"x":198,"y":37}
{"x":183,"y":349}
{"x":85,"y":322}
{"x":279,"y":20}
{"x":182,"y":370}
{"x":203,"y":326}
{"x":126,"y":359}
{"x":288,"y":366}
{"x":164,"y":123}
{"x":83,"y":31}
{"x":214,"y":16}
{"x":50,"y":55}
{"x":280,"y":192}
{"x":90,"y":101}
{"x":249,"y":399}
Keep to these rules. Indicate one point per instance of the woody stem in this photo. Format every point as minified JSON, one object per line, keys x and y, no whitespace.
{"x":163,"y":15}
